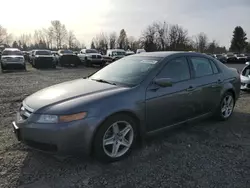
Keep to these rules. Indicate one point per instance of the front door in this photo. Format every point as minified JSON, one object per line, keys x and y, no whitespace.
{"x":169,"y":105}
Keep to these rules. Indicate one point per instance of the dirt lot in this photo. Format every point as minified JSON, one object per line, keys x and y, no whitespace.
{"x":204,"y":154}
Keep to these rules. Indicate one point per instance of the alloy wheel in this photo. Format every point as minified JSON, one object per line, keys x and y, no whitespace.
{"x":118,"y":139}
{"x":227,"y":106}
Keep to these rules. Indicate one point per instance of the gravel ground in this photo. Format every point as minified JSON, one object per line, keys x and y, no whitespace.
{"x":204,"y":154}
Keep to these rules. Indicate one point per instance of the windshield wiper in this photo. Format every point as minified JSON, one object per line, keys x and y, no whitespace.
{"x":104,"y":81}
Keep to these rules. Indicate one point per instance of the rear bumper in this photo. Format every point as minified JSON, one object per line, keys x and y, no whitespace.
{"x":13,"y":65}
{"x":44,"y":62}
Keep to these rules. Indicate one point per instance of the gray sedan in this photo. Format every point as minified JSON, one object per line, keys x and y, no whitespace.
{"x":134,"y":97}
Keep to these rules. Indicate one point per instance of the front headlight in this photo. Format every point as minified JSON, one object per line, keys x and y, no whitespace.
{"x":45,"y":118}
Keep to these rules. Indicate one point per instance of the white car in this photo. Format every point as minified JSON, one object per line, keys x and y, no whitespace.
{"x":90,"y":57}
{"x":116,"y":54}
{"x":245,"y":77}
{"x":138,"y":51}
{"x":12,"y":58}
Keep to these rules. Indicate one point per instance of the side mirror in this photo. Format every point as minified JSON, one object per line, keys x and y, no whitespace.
{"x":163,"y":82}
{"x":248,"y":63}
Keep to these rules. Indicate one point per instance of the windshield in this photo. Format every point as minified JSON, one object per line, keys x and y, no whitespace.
{"x":12,"y":52}
{"x":115,"y":53}
{"x":91,"y":51}
{"x":230,"y":55}
{"x":43,"y":52}
{"x":129,"y":71}
{"x":219,"y":55}
{"x":66,"y":52}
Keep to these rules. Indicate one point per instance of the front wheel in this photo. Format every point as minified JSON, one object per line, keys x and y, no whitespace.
{"x":115,"y":138}
{"x":226,"y":107}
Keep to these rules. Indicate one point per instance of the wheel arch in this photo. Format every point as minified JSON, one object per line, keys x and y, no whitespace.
{"x":126,"y":112}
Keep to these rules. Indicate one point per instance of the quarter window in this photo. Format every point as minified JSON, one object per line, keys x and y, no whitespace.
{"x":215,"y":69}
{"x":202,"y":66}
{"x":177,"y":69}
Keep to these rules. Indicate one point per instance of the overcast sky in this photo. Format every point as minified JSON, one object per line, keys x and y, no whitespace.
{"x":217,"y":18}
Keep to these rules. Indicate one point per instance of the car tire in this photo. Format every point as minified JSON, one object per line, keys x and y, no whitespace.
{"x":226,"y":108}
{"x":117,"y":138}
{"x":2,"y":68}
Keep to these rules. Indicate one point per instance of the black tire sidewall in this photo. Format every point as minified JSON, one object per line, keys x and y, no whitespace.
{"x":98,"y":140}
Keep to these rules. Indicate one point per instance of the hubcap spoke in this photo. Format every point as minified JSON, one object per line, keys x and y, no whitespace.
{"x":115,"y":128}
{"x":125,"y":143}
{"x":125,"y":131}
{"x":109,"y":141}
{"x":115,"y":149}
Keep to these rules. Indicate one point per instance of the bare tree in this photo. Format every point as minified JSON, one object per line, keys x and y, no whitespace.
{"x":201,"y":42}
{"x":48,"y":36}
{"x":25,"y":39}
{"x":59,"y":32}
{"x":4,"y":36}
{"x":178,"y":38}
{"x":101,"y":42}
{"x":149,"y":39}
{"x":112,"y":40}
{"x":71,"y":39}
{"x":161,"y":34}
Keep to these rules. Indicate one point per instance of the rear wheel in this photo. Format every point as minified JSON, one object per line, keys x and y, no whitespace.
{"x":2,"y":68}
{"x":226,"y":107}
{"x":115,"y":138}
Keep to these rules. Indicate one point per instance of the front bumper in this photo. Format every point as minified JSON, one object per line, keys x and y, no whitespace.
{"x":66,"y":138}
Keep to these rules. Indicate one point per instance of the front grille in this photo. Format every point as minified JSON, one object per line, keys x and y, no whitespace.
{"x":25,"y":112}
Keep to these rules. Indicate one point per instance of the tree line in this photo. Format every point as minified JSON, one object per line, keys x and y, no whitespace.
{"x":158,"y":36}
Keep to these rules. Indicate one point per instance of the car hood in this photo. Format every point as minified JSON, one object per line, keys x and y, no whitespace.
{"x":67,"y":91}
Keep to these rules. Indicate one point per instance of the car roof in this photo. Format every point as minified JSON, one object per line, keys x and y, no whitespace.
{"x":166,"y":53}
{"x":11,"y":49}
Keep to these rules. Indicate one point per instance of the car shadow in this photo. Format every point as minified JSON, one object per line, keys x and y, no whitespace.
{"x":174,"y":147}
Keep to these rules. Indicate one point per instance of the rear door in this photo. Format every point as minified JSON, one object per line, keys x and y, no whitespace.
{"x":208,"y":79}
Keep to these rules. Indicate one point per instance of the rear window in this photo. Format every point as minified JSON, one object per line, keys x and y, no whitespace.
{"x":44,"y":52}
{"x":91,"y":51}
{"x":66,"y":52}
{"x":12,"y":52}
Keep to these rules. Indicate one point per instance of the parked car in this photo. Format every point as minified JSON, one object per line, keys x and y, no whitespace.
{"x":90,"y":57}
{"x":220,"y":57}
{"x":245,"y":77}
{"x":230,"y":57}
{"x":107,"y":59}
{"x":67,"y":57}
{"x":12,"y":58}
{"x":42,"y":59}
{"x":140,"y":51}
{"x":134,"y":97}
{"x":116,"y":54}
{"x":241,"y":57}
{"x":129,"y":53}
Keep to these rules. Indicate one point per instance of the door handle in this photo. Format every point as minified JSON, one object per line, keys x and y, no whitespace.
{"x":190,"y":88}
{"x":219,"y":81}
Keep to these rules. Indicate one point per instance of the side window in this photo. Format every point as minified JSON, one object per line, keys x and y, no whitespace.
{"x":202,"y":66}
{"x":215,"y":69}
{"x":176,"y":69}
